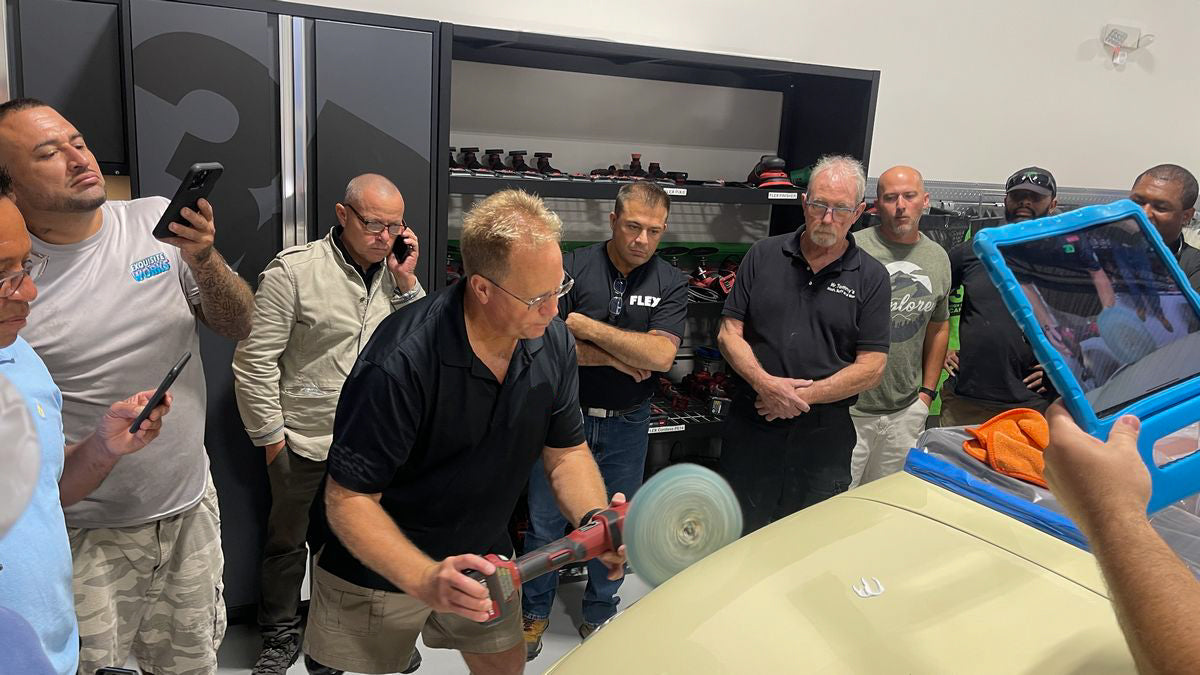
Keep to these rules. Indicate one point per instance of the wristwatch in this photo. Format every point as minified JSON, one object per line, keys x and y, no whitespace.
{"x":927,"y":390}
{"x":406,"y":295}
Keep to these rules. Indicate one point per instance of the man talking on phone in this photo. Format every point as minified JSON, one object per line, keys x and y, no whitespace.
{"x":35,"y":555}
{"x":117,"y":309}
{"x":316,"y":307}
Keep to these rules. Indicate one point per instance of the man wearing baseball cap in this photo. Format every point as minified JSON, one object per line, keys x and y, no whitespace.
{"x":994,"y":368}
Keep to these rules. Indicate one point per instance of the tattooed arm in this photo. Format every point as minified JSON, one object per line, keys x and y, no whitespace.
{"x":226,"y":302}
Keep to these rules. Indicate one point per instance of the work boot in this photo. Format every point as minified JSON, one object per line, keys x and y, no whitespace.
{"x":414,"y":662}
{"x":315,"y":668}
{"x":277,"y":655}
{"x":586,"y":629}
{"x":533,"y":628}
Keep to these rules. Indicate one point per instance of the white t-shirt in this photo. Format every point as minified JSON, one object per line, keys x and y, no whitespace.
{"x":113,"y":314}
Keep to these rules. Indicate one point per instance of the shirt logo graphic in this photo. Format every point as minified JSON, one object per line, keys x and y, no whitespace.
{"x":841,"y":289}
{"x":150,"y":267}
{"x":644,"y":300}
{"x":913,"y":300}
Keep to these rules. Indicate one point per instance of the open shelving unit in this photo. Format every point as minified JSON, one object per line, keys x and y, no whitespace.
{"x":573,"y":189}
{"x":842,"y":124}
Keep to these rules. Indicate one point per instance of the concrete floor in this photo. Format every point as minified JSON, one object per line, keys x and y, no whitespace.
{"x":241,"y":645}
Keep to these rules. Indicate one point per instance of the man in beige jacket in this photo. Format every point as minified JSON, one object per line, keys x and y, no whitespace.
{"x":316,"y":307}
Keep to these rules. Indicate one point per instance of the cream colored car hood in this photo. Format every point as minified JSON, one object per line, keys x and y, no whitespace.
{"x":965,"y":589}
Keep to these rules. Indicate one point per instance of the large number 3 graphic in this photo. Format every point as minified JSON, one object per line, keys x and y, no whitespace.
{"x":250,"y":156}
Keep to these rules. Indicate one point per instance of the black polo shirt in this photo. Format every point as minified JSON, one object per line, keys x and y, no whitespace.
{"x":993,"y":354}
{"x":806,"y":325}
{"x":655,"y":298}
{"x":423,"y":422}
{"x":1189,"y":261}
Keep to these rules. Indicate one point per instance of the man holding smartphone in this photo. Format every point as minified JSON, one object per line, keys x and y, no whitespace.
{"x":117,"y":308}
{"x":35,"y":555}
{"x":316,"y":307}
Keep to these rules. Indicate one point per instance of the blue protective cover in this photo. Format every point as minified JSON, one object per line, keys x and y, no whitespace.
{"x":944,"y":474}
{"x":1162,"y":412}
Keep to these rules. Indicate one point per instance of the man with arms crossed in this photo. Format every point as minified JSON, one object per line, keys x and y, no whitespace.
{"x":116,"y":310}
{"x":889,"y":418}
{"x":627,"y":311}
{"x":445,"y":413}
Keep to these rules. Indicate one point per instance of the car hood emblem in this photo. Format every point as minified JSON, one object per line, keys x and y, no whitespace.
{"x":869,"y":588}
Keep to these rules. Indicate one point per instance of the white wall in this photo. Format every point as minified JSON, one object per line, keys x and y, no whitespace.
{"x":969,"y":90}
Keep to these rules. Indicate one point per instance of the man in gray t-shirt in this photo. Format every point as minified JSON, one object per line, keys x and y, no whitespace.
{"x":889,"y":418}
{"x":116,"y":309}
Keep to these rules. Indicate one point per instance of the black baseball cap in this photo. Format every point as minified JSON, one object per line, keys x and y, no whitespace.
{"x":1034,"y":179}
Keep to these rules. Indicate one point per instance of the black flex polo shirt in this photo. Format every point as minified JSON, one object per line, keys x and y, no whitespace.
{"x":806,"y":325}
{"x":423,"y":421}
{"x":655,"y":298}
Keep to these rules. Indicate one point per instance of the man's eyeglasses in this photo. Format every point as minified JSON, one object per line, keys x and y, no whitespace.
{"x":535,"y":303}
{"x":617,"y":302}
{"x":33,"y":267}
{"x":819,"y":209}
{"x":377,"y":226}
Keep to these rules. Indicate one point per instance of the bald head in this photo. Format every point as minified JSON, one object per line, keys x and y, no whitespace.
{"x":370,"y":186}
{"x":372,"y":207}
{"x":901,"y":202}
{"x":899,"y":175}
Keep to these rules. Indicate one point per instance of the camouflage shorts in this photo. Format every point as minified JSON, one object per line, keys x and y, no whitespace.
{"x":153,"y":591}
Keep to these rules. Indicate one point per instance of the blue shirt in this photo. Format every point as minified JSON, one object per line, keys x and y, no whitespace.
{"x":20,"y":649}
{"x":35,"y":581}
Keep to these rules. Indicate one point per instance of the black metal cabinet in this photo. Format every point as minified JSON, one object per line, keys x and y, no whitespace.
{"x":206,"y":88}
{"x":68,"y":54}
{"x":373,"y":100}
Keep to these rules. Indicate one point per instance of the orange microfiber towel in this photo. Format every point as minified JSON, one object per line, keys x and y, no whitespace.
{"x":1012,"y":443}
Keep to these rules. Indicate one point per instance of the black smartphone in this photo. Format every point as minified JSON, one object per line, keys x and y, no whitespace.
{"x":401,"y":249}
{"x":160,"y":392}
{"x":198,"y":184}
{"x":116,"y":671}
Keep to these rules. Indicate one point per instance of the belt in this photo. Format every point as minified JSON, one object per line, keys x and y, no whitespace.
{"x":601,"y":412}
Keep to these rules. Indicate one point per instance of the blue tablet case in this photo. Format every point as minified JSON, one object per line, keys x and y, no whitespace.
{"x":1162,"y":412}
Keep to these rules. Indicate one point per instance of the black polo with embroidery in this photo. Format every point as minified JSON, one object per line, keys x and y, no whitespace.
{"x":807,"y":325}
{"x":424,"y":423}
{"x":655,"y":298}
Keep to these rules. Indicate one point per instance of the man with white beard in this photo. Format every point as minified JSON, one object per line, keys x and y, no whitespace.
{"x":807,"y":327}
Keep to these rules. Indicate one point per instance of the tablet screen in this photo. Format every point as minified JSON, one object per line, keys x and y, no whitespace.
{"x":1106,"y":302}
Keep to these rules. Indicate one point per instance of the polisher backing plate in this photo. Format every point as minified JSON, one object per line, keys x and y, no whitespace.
{"x":682,"y":514}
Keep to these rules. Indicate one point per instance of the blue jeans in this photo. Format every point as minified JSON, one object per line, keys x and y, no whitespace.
{"x":619,"y":446}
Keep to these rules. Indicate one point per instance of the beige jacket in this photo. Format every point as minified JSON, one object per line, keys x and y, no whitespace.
{"x":312,"y":316}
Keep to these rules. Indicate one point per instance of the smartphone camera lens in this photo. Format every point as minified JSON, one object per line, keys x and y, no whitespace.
{"x":198,"y":180}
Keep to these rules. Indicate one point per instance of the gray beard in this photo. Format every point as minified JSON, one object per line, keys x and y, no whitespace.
{"x":823,"y":240}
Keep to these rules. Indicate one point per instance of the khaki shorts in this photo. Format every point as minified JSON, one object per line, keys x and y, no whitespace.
{"x":369,"y":631}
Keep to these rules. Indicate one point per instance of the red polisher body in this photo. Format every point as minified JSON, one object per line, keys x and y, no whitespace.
{"x":601,"y":535}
